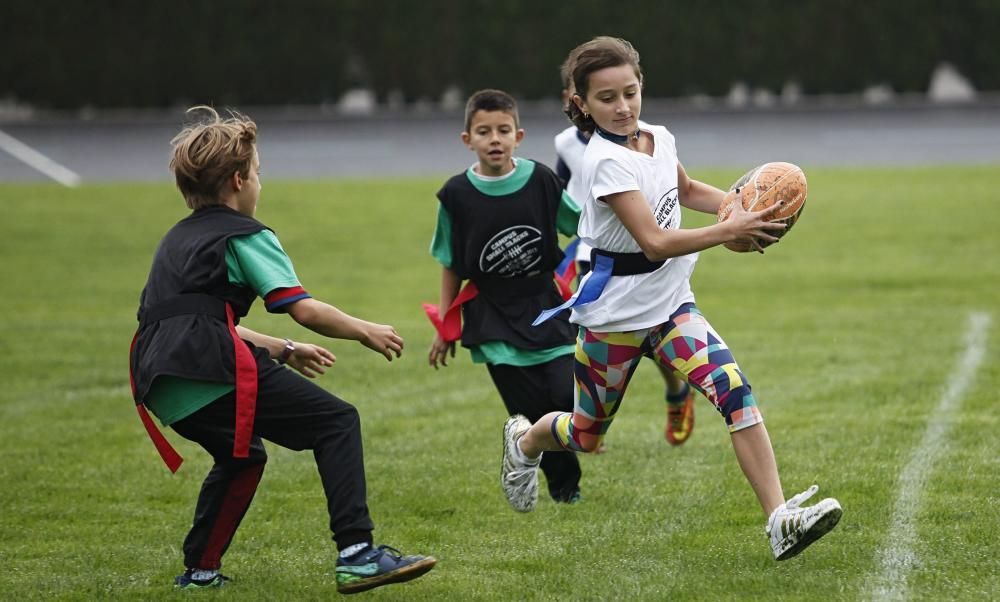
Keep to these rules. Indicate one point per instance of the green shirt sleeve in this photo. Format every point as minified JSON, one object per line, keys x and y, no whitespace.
{"x":258,"y":262}
{"x":568,"y":216}
{"x":441,"y":243}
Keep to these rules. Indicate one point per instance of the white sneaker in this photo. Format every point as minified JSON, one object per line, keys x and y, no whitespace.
{"x":518,"y":474}
{"x":792,"y":528}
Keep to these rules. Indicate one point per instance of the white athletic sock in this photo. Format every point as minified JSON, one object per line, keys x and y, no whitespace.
{"x":523,"y":457}
{"x":203,"y":574}
{"x":352,"y":550}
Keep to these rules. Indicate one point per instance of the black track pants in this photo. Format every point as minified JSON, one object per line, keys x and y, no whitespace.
{"x":293,"y":413}
{"x":535,"y":391}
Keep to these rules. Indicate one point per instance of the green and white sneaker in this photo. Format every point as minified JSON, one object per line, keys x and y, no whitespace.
{"x":518,"y":474}
{"x":374,"y":567}
{"x":792,"y":528}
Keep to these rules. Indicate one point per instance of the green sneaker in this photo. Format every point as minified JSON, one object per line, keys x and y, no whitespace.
{"x":379,"y":566}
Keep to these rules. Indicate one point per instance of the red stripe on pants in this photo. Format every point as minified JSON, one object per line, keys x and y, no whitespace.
{"x":237,"y":500}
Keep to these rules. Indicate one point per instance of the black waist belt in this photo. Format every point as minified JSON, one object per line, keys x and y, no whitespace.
{"x":603,"y":265}
{"x":627,"y":264}
{"x":189,"y":303}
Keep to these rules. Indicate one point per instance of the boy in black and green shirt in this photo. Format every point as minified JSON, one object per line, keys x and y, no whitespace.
{"x":498,"y":226}
{"x":223,"y":386}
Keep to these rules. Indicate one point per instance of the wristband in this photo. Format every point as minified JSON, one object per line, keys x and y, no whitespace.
{"x":287,"y":351}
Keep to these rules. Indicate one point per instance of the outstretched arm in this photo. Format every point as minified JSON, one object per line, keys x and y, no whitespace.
{"x":327,"y":320}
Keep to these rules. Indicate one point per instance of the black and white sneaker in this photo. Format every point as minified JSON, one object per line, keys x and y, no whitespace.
{"x":792,"y":528}
{"x":518,"y":474}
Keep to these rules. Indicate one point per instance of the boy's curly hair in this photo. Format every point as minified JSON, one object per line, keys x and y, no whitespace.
{"x":208,"y":152}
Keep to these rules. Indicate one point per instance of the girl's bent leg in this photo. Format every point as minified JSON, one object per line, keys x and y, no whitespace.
{"x":690,"y":345}
{"x":604,"y":364}
{"x":539,"y":437}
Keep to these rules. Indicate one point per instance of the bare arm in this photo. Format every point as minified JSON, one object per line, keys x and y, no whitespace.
{"x":658,"y":244}
{"x":327,"y":320}
{"x":308,"y":359}
{"x":450,"y":285}
{"x":698,"y":195}
{"x":273,"y":345}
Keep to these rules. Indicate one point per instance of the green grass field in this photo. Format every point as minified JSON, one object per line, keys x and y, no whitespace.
{"x":850,"y":331}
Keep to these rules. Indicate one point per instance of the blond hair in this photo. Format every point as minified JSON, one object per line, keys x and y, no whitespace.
{"x":209,"y":152}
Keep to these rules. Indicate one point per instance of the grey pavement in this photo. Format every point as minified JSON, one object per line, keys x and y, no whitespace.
{"x":310,"y":143}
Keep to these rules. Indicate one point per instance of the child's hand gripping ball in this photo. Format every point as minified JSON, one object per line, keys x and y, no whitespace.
{"x":760,"y":188}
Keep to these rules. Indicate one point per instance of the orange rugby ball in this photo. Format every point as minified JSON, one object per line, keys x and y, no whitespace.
{"x":762,"y":187}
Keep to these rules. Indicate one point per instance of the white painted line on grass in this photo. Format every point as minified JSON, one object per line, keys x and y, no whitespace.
{"x":897,"y":557}
{"x":50,"y":168}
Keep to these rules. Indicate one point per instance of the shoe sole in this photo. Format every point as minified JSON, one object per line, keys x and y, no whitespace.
{"x":406,"y":573}
{"x":196,"y":586}
{"x":821,"y":527}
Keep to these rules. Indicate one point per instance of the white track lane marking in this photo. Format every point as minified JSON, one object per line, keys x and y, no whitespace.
{"x":37,"y":160}
{"x":896,"y":558}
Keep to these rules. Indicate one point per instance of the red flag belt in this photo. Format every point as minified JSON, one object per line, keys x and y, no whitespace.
{"x":246,"y":401}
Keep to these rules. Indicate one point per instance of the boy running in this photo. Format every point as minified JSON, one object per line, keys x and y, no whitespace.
{"x":498,"y":226}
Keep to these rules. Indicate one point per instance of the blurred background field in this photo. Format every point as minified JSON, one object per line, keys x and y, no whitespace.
{"x":849,"y":331}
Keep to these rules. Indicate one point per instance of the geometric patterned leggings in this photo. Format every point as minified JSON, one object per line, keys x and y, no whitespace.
{"x":605,"y":362}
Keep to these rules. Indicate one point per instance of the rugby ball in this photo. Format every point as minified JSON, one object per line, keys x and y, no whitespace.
{"x":760,"y":188}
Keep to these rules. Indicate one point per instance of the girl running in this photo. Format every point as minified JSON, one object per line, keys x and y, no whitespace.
{"x":637,"y":298}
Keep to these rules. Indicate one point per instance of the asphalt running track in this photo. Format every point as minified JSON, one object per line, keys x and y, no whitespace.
{"x":308,"y":143}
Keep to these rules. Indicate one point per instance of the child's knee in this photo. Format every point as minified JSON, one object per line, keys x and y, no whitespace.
{"x":257,"y":457}
{"x":589,"y":443}
{"x":253,"y":462}
{"x":740,"y":408}
{"x":341,"y":414}
{"x":223,"y":456}
{"x":575,"y":437}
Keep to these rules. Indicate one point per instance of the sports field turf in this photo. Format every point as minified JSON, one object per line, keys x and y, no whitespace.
{"x":851,"y":330}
